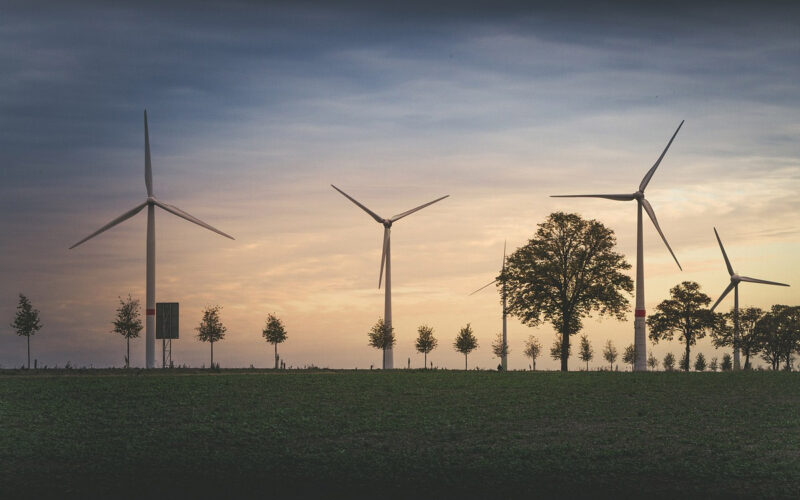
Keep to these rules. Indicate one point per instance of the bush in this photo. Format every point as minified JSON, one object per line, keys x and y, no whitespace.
{"x":727,"y":364}
{"x":700,"y":362}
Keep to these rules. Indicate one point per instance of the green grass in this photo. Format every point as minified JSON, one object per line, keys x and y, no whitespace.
{"x":411,"y":434}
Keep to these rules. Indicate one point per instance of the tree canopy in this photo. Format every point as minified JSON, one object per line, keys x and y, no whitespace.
{"x":465,"y":342}
{"x":533,"y":348}
{"x":128,"y":323}
{"x":567,"y":271}
{"x":426,"y":342}
{"x":499,"y":348}
{"x":381,"y":336}
{"x":610,"y":353}
{"x":26,"y":322}
{"x":211,"y":328}
{"x":586,"y":352}
{"x":749,"y":342}
{"x":274,"y":331}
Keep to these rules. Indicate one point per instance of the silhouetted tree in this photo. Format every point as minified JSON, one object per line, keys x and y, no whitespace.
{"x":713,"y":365}
{"x":749,"y":341}
{"x":652,"y":362}
{"x":555,"y":349}
{"x":465,"y":342}
{"x":26,"y":322}
{"x":684,"y":362}
{"x":381,"y":336}
{"x":499,"y":348}
{"x":426,"y":342}
{"x":669,"y":362}
{"x":727,"y":363}
{"x":275,"y":333}
{"x":685,"y":314}
{"x":700,"y":362}
{"x":586,"y":353}
{"x":211,"y":328}
{"x":610,"y":353}
{"x":128,"y":323}
{"x":779,"y":335}
{"x":566,"y":271}
{"x":533,"y":348}
{"x":629,"y":356}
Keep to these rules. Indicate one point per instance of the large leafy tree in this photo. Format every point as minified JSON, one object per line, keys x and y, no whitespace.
{"x":381,"y":336}
{"x":586,"y":352}
{"x":685,"y":314}
{"x":26,"y":322}
{"x":211,"y":328}
{"x":533,"y":348}
{"x":749,"y":341}
{"x":779,"y":335}
{"x":568,"y":270}
{"x":426,"y":342}
{"x":128,"y":323}
{"x":275,"y":333}
{"x":465,"y":342}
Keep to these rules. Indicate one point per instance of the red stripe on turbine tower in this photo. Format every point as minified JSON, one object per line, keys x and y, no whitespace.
{"x":640,"y":313}
{"x":151,"y":312}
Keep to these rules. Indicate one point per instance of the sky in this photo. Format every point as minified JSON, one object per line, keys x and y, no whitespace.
{"x":256,"y":108}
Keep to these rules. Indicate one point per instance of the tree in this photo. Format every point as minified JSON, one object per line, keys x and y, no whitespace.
{"x":426,"y":342}
{"x":128,"y":323}
{"x":465,"y":342}
{"x":778,"y":334}
{"x":727,"y":364}
{"x":652,"y":362}
{"x":685,"y":362}
{"x":684,"y":313}
{"x":629,"y":356}
{"x":565,"y":272}
{"x":749,"y":341}
{"x":533,"y":348}
{"x":700,"y":362}
{"x":211,"y":328}
{"x":275,"y":333}
{"x":610,"y":353}
{"x":381,"y":336}
{"x":555,"y":349}
{"x":26,"y":322}
{"x":714,"y":365}
{"x":499,"y":348}
{"x":586,"y":353}
{"x":669,"y":362}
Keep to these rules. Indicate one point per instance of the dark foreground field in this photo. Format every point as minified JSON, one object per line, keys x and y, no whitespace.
{"x":404,"y":434}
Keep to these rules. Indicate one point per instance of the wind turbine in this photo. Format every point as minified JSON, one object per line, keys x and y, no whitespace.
{"x":386,"y":263}
{"x":734,"y":285}
{"x":639,"y":323}
{"x":151,"y":202}
{"x":504,"y":358}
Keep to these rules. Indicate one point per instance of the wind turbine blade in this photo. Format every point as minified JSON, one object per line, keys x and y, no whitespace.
{"x":148,"y":168}
{"x":127,"y":215}
{"x":615,"y":197}
{"x":484,"y":286}
{"x":373,"y":214}
{"x":183,"y":215}
{"x":652,"y":215}
{"x":383,"y":253}
{"x":724,"y":255}
{"x":409,"y":212}
{"x":763,"y":282}
{"x":726,"y":292}
{"x":649,"y":174}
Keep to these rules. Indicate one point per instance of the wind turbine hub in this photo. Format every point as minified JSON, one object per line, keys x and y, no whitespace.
{"x":151,"y":200}
{"x":638,"y":195}
{"x":387,"y":223}
{"x":735,"y":278}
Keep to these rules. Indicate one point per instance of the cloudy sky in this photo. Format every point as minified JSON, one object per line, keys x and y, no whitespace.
{"x":256,"y":109}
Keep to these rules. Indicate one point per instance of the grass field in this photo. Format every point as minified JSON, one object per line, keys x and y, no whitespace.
{"x":403,"y":434}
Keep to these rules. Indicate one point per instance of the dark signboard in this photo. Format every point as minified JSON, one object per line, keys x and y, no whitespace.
{"x":167,"y":320}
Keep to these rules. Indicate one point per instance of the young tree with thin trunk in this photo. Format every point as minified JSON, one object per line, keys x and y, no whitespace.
{"x":749,"y":340}
{"x":26,"y":322}
{"x":713,"y":365}
{"x":426,"y":342}
{"x":727,"y":364}
{"x":629,"y":356}
{"x":610,"y":353}
{"x":586,"y":353}
{"x":669,"y":362}
{"x":211,"y":328}
{"x":381,"y":336}
{"x":275,"y":333}
{"x":465,"y":342}
{"x":499,"y":348}
{"x":568,"y":270}
{"x":652,"y":361}
{"x":684,"y":313}
{"x":684,"y":362}
{"x":533,"y":348}
{"x":128,"y":323}
{"x":700,"y":362}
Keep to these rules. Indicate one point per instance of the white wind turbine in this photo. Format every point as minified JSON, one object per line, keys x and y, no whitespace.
{"x":504,"y":358}
{"x":151,"y":202}
{"x":734,"y":285}
{"x":386,"y":263}
{"x":639,"y":324}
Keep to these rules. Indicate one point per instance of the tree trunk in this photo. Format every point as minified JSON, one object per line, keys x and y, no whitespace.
{"x":587,"y":365}
{"x":212,"y":354}
{"x":688,"y":359}
{"x":747,"y":360}
{"x":276,"y":355}
{"x":564,"y":346}
{"x":465,"y":362}
{"x":29,"y":352}
{"x":128,"y":357}
{"x":426,"y":361}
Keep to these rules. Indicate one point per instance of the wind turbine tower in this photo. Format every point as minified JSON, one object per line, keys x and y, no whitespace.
{"x":734,"y":285}
{"x":504,"y":358}
{"x":151,"y":202}
{"x":386,"y":263}
{"x":639,"y":324}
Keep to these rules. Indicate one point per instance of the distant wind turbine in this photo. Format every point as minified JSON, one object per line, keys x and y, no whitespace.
{"x":734,"y":285}
{"x":386,"y":263}
{"x":639,"y":324}
{"x":151,"y":202}
{"x":504,"y":358}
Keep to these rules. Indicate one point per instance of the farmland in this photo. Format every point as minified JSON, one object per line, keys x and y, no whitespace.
{"x":410,"y":434}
